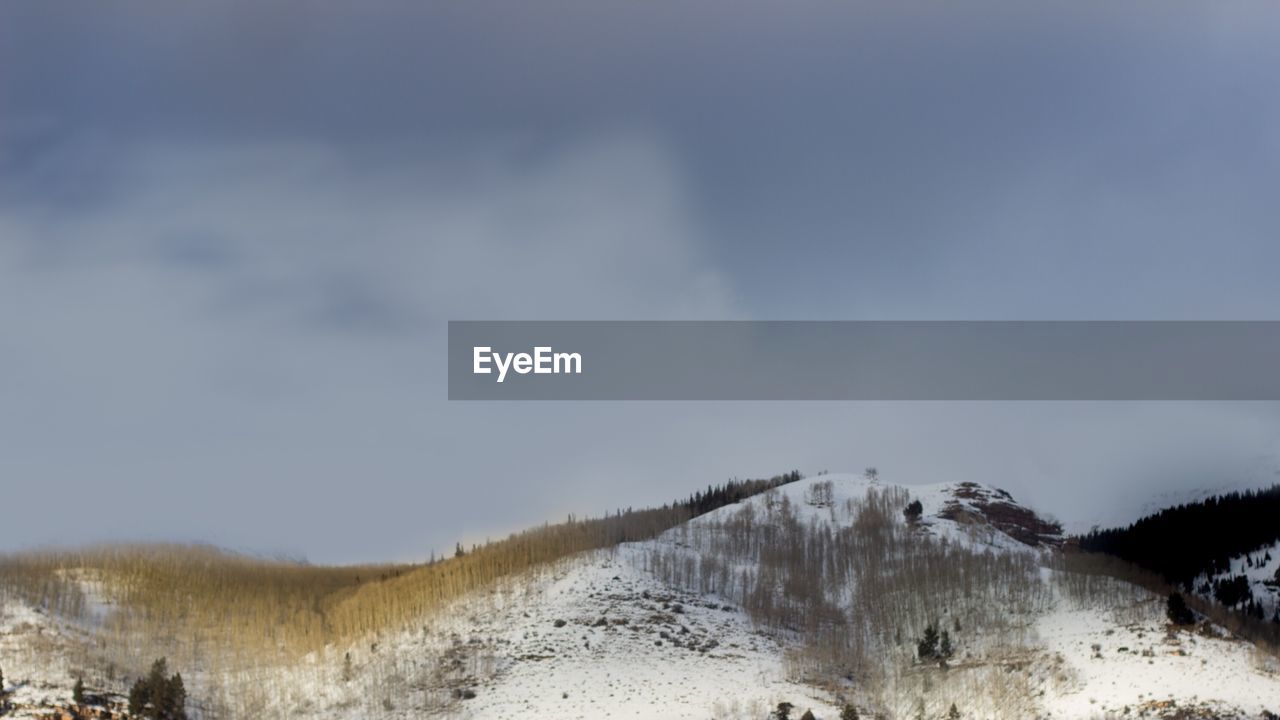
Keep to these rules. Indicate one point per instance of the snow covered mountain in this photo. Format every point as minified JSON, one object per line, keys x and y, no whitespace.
{"x":820,"y":593}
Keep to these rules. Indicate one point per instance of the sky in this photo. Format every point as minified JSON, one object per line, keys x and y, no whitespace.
{"x":232,"y":234}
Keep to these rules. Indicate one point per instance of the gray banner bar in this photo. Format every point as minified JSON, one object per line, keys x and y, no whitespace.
{"x":796,"y":360}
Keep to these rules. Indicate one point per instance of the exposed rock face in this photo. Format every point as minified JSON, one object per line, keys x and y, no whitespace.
{"x":997,"y":508}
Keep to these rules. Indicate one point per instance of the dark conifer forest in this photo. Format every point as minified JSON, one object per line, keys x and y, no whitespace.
{"x":701,"y":503}
{"x":1182,"y":542}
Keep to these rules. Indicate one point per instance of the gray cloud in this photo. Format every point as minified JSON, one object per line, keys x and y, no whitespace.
{"x":230,"y":235}
{"x":268,"y":322}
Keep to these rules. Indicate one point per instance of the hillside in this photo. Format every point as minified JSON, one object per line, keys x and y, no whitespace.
{"x":1224,"y":548}
{"x":816,"y":592}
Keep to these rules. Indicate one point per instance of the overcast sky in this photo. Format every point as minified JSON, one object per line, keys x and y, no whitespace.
{"x":231,"y":235}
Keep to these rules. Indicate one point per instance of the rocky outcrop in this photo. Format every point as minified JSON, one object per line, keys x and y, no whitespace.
{"x":975,"y":503}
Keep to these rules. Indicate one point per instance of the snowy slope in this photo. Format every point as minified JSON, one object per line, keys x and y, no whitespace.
{"x":591,"y":670}
{"x":1120,"y":661}
{"x":599,"y":636}
{"x":1262,"y":568}
{"x":38,"y":656}
{"x":630,"y":647}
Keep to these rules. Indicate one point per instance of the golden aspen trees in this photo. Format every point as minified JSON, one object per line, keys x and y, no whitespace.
{"x":181,"y":601}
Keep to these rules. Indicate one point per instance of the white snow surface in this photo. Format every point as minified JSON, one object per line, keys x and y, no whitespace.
{"x":631,"y":647}
{"x":1113,"y":663}
{"x":36,"y":656}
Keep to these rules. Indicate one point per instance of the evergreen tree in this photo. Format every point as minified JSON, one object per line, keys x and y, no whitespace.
{"x":913,"y":510}
{"x":784,"y":711}
{"x":944,"y":649}
{"x":1,"y":681}
{"x":138,"y":696}
{"x":1233,"y":592}
{"x":157,"y":697}
{"x":77,"y":692}
{"x":953,"y":713}
{"x":849,"y":713}
{"x":927,"y":648}
{"x":177,"y":707}
{"x":1177,"y":610}
{"x":158,"y":687}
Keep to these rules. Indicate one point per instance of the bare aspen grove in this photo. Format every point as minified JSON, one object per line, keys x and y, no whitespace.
{"x":855,"y":597}
{"x":1095,"y":579}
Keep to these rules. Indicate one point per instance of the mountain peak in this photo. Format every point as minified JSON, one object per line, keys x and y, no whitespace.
{"x":967,"y":512}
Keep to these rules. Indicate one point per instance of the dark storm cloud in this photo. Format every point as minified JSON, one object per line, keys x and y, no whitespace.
{"x":1044,"y":152}
{"x":230,"y":235}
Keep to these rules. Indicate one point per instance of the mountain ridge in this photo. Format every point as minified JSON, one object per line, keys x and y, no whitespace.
{"x":812,"y":591}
